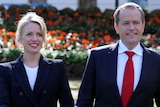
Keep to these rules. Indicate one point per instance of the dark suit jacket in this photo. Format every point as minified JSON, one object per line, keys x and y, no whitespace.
{"x":51,"y":85}
{"x":99,"y":82}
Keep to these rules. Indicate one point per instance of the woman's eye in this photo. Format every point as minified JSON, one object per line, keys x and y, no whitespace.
{"x":29,"y":34}
{"x":39,"y":34}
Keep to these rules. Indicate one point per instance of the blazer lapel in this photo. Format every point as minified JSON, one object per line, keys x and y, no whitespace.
{"x":21,"y":77}
{"x":43,"y":72}
{"x":113,"y":53}
{"x":146,"y":66}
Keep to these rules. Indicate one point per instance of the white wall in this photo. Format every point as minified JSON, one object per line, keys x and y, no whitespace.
{"x":153,"y":4}
{"x":60,"y":4}
{"x":108,"y":4}
{"x":13,"y":1}
{"x":102,"y":4}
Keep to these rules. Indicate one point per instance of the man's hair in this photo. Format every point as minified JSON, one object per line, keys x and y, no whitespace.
{"x":128,"y":5}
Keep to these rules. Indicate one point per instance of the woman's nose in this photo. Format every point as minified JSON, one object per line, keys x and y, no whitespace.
{"x":34,"y":37}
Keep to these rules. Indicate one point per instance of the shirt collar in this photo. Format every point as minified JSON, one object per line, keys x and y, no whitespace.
{"x":138,"y":49}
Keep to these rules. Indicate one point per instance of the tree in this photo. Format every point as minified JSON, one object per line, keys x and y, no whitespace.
{"x":87,"y":3}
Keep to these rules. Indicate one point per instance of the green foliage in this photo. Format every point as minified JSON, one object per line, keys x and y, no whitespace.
{"x":72,"y":56}
{"x":155,"y":13}
{"x":52,"y":9}
{"x":67,"y":11}
{"x":8,"y":54}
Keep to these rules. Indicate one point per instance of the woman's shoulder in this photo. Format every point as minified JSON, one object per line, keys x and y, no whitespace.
{"x":49,"y":60}
{"x":6,"y":64}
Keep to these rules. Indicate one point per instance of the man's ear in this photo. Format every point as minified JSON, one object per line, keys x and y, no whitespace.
{"x":116,"y":28}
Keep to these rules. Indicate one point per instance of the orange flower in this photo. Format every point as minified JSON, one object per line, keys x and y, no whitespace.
{"x":90,"y":20}
{"x":63,"y":33}
{"x":73,"y":39}
{"x":151,"y":38}
{"x":93,"y":46}
{"x":84,"y":46}
{"x":154,"y":45}
{"x":76,"y":14}
{"x":75,"y":34}
{"x":60,"y":37}
{"x":69,"y":19}
{"x":1,"y":30}
{"x":7,"y":16}
{"x":49,"y":23}
{"x":58,"y":31}
{"x":52,"y":40}
{"x":66,"y":45}
{"x":97,"y":41}
{"x":39,"y":11}
{"x":82,"y":33}
{"x":108,"y":38}
{"x":56,"y":22}
{"x":11,"y":34}
{"x":58,"y":46}
{"x":52,"y":32}
{"x":85,"y":41}
{"x":50,"y":14}
{"x":14,"y":45}
{"x":98,"y":14}
{"x":17,"y":9}
{"x":4,"y":40}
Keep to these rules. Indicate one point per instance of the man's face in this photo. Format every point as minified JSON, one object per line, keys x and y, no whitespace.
{"x":130,"y":27}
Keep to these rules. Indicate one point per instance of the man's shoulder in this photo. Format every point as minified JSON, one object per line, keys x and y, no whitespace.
{"x":105,"y":47}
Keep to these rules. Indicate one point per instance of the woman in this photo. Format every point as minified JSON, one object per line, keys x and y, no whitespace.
{"x":33,"y":80}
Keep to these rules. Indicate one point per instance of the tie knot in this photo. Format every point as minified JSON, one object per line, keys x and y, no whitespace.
{"x":129,"y":53}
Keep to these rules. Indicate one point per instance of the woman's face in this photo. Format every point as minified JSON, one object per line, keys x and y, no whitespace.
{"x":31,"y":38}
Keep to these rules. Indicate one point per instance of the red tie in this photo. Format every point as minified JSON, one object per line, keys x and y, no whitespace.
{"x":128,"y":80}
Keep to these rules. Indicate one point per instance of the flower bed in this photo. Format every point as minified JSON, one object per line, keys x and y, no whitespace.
{"x":71,"y":33}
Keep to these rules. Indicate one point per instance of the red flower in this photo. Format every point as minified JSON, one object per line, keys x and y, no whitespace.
{"x":7,"y":16}
{"x":49,"y":23}
{"x":50,"y":15}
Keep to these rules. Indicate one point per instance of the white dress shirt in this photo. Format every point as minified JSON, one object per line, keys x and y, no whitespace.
{"x":122,"y":59}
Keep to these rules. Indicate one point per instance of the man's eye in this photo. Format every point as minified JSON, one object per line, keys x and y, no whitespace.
{"x":125,"y":23}
{"x":136,"y":23}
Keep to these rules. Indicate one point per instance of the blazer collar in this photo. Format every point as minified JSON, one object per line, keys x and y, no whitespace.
{"x":146,"y":65}
{"x":145,"y":71}
{"x":21,"y":76}
{"x":22,"y":79}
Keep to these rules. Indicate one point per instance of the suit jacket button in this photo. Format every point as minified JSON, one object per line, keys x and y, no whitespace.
{"x":44,"y":91}
{"x":20,"y":93}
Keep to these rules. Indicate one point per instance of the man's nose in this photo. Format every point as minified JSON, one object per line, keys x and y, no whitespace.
{"x":131,"y":26}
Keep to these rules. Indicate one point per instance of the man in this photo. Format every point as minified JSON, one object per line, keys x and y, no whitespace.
{"x":104,"y":79}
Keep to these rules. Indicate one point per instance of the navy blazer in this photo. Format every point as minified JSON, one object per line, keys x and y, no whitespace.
{"x":99,"y":82}
{"x":51,"y":85}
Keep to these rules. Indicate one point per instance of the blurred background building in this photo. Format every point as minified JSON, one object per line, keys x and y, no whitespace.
{"x":149,"y":5}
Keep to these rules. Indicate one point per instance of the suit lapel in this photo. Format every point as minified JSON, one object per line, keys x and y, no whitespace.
{"x":146,"y":66}
{"x":113,"y":53}
{"x":43,"y":72}
{"x":21,"y":77}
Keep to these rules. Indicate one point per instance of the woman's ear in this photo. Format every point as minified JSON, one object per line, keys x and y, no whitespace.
{"x":19,"y":41}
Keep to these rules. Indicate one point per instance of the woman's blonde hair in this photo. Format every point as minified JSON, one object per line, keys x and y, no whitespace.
{"x":27,"y":18}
